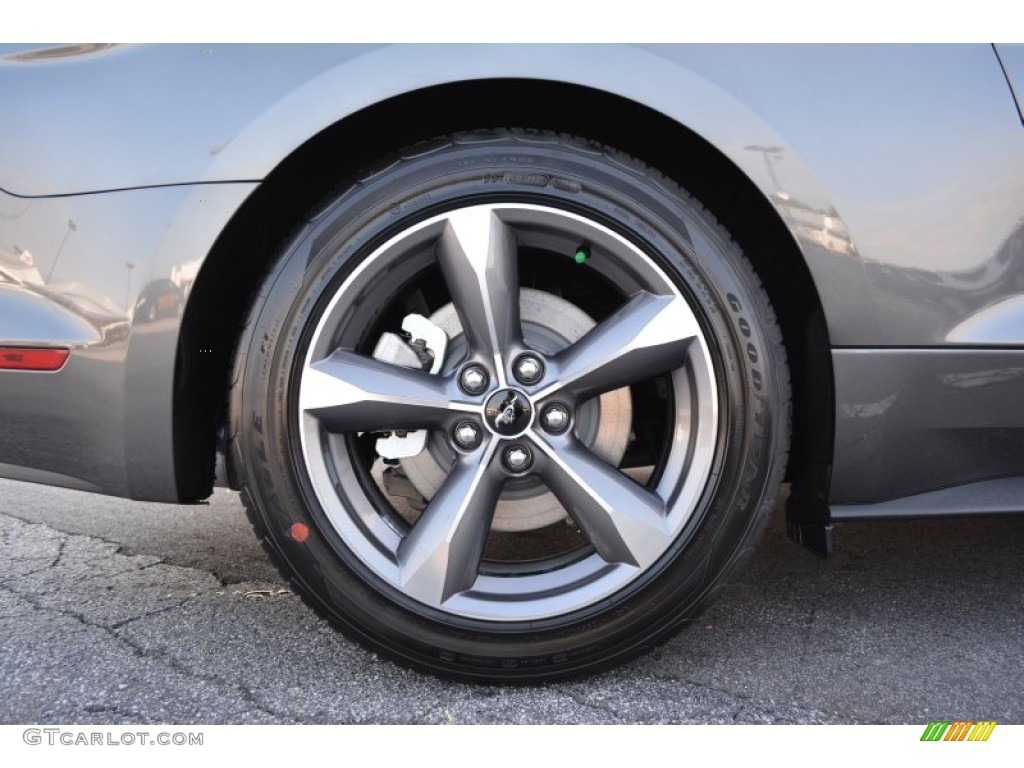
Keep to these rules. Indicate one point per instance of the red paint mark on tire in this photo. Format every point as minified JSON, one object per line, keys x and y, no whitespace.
{"x":300,"y":532}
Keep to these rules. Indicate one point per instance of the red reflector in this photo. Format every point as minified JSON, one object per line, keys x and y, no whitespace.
{"x":20,"y":359}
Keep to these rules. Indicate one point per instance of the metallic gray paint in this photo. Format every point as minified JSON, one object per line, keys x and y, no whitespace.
{"x":1001,"y":496}
{"x":897,"y":169}
{"x":104,"y":421}
{"x":909,"y":421}
{"x":1011,"y":57}
{"x":28,"y":318}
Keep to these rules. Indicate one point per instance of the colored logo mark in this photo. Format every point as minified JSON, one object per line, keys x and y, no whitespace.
{"x":958,"y":730}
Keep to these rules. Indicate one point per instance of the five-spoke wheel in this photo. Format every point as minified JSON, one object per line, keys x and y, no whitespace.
{"x":506,"y":407}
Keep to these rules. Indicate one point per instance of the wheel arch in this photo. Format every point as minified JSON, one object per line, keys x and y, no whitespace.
{"x":233,"y":269}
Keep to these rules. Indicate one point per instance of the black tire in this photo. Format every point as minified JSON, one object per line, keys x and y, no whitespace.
{"x":317,"y":507}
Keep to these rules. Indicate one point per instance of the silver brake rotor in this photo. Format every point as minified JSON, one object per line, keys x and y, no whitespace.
{"x":550,"y":324}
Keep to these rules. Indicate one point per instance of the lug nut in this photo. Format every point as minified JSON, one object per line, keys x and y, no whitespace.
{"x":473,"y":379}
{"x":517,"y":458}
{"x":467,"y":435}
{"x":528,"y":369}
{"x":555,"y":418}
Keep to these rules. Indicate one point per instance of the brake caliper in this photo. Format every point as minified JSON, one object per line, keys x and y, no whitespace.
{"x":422,"y":345}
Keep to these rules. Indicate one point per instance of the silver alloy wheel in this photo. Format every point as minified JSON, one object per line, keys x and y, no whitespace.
{"x":438,"y":563}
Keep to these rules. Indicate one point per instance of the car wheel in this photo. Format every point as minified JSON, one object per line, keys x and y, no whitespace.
{"x":511,"y":406}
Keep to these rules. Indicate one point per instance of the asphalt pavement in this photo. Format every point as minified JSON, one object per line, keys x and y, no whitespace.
{"x":113,"y":611}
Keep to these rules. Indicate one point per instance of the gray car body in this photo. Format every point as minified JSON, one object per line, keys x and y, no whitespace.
{"x":897,"y":171}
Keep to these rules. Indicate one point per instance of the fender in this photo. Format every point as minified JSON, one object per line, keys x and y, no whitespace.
{"x":837,"y":138}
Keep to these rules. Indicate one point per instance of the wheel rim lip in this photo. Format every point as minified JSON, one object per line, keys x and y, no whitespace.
{"x":587,"y":580}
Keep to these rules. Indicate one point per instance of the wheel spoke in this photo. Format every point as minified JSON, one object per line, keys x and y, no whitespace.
{"x":349,"y":392}
{"x":649,"y":335}
{"x":624,"y":521}
{"x":477,"y":252}
{"x":440,"y":556}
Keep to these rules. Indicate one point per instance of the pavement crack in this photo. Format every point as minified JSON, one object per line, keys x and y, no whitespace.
{"x":23,"y":574}
{"x":39,"y":601}
{"x":704,"y":686}
{"x":596,"y":706}
{"x":246,"y":693}
{"x":159,"y":656}
{"x":61,"y":543}
{"x":119,"y":548}
{"x":174,"y":607}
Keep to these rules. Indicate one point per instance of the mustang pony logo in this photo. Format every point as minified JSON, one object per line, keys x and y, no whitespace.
{"x":509,"y":411}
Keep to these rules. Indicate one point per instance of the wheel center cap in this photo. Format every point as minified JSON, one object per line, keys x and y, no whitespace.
{"x":508,"y":412}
